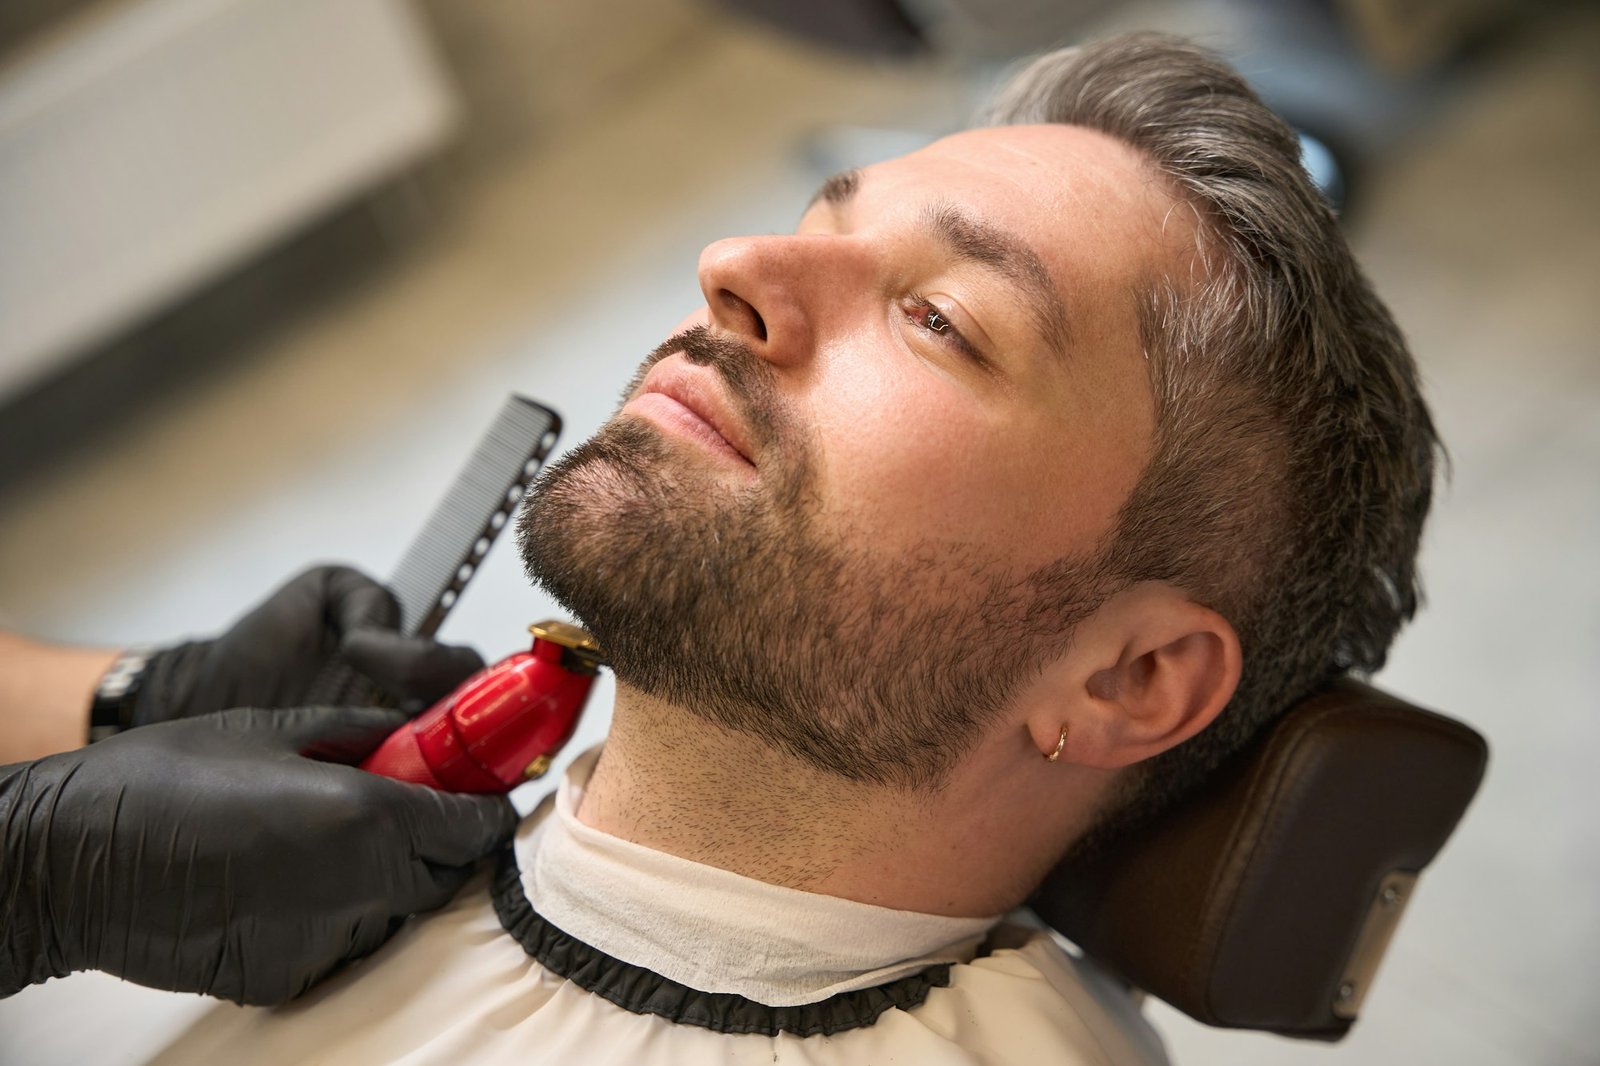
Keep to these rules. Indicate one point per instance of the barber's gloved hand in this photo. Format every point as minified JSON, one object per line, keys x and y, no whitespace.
{"x":273,"y":656}
{"x":206,"y":855}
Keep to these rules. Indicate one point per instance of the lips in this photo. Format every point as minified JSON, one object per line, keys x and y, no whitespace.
{"x":692,"y":400}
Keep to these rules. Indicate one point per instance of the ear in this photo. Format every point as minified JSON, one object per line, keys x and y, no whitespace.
{"x":1147,"y":671}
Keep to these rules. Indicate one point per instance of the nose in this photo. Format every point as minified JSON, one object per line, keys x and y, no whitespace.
{"x":771,"y":291}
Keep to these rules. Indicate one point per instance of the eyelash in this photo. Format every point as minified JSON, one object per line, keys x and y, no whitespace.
{"x":949,"y":334}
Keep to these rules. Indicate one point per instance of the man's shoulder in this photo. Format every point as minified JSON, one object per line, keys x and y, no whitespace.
{"x":1028,"y":997}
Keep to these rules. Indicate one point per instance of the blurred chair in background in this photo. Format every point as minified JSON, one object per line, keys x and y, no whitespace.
{"x":1267,"y":901}
{"x":1349,"y":75}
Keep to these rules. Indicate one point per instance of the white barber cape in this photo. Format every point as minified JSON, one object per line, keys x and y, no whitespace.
{"x":584,"y":948}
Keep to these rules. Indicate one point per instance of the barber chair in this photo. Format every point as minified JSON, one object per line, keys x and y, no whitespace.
{"x":1267,"y":900}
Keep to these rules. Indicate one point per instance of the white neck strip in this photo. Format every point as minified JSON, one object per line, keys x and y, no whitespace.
{"x":714,"y":930}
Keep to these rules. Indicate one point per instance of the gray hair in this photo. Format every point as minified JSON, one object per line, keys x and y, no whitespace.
{"x":1294,"y":457}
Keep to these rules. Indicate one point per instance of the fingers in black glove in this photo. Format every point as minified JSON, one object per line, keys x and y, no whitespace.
{"x":208,"y":855}
{"x":275,"y":655}
{"x":331,"y":734}
{"x":352,"y":600}
{"x":414,"y":669}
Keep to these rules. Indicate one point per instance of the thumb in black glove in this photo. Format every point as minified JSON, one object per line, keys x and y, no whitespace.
{"x":274,"y":656}
{"x":207,"y":855}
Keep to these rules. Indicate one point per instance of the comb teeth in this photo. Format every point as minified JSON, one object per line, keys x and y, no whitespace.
{"x":477,"y":506}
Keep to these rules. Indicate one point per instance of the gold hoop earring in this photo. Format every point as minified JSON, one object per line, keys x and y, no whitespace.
{"x":1060,"y":747}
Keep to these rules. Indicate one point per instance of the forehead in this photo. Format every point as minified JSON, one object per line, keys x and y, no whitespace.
{"x":1051,"y":153}
{"x":1095,"y":209}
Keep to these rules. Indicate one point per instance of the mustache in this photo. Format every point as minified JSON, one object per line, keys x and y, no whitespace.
{"x":750,"y":380}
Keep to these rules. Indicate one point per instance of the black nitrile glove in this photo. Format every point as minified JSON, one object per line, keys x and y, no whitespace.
{"x":273,"y":656}
{"x":206,"y":855}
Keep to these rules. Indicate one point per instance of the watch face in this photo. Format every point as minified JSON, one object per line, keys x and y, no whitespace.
{"x":123,"y":676}
{"x":112,"y":707}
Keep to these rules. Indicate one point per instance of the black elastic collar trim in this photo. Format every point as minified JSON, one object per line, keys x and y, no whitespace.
{"x":633,"y":988}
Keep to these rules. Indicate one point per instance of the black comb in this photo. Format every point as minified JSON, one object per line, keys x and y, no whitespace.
{"x":457,"y":536}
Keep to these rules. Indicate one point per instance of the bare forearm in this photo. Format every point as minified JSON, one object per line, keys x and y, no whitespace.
{"x":45,"y":691}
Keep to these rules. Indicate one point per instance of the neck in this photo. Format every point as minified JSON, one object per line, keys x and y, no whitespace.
{"x":673,"y":782}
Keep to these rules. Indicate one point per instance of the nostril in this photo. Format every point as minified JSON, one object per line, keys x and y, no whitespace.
{"x":750,"y":318}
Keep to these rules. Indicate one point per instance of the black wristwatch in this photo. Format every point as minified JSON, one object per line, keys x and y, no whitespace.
{"x":112,"y":708}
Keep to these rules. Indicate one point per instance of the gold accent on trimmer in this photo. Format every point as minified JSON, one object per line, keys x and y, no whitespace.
{"x":579,"y":641}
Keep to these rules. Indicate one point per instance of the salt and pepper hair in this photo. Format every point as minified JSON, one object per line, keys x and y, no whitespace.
{"x":1294,"y":457}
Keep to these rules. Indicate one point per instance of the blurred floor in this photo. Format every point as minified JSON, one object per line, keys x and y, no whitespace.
{"x":550,"y":268}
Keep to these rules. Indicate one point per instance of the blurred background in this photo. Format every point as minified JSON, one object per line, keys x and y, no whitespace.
{"x":268,"y":268}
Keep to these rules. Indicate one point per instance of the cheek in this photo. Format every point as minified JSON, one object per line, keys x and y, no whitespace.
{"x":906,"y":454}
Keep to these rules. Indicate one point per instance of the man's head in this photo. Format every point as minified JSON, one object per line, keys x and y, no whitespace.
{"x":1294,"y":456}
{"x":1039,"y":425}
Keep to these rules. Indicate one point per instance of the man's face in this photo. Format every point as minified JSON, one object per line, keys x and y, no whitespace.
{"x":852,"y":510}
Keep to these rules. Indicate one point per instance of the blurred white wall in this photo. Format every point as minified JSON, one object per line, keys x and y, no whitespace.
{"x":147,"y":145}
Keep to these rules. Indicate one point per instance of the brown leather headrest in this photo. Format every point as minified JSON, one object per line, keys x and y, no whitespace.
{"x":1265,"y":901}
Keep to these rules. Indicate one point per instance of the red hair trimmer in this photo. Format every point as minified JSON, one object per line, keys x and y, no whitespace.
{"x":503,"y":725}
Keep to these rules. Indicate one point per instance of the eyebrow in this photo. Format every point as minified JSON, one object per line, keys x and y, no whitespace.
{"x":839,"y":189}
{"x":972,"y":240}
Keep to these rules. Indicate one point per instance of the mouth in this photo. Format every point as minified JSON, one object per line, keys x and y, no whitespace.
{"x":687,"y":400}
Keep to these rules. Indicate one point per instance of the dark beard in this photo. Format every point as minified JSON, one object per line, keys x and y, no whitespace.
{"x":733,"y":604}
